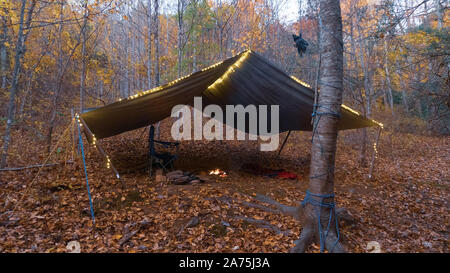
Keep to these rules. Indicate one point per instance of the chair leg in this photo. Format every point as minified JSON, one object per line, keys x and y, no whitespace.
{"x":169,"y":165}
{"x":165,"y":166}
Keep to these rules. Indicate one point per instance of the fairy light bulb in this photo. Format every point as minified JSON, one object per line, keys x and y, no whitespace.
{"x":300,"y":82}
{"x":230,"y":70}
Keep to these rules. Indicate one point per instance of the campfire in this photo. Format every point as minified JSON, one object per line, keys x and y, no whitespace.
{"x":218,"y":172}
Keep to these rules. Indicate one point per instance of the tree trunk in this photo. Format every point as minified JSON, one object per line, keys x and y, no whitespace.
{"x":156,"y":42}
{"x":388,"y":78}
{"x":363,"y":142}
{"x":180,"y":35}
{"x":367,"y":95}
{"x":27,"y":92}
{"x":132,"y":59}
{"x":439,"y":13}
{"x":403,"y":87}
{"x":194,"y":53}
{"x":149,"y":45}
{"x":14,"y":85}
{"x":317,"y":213}
{"x":58,"y":82}
{"x":156,"y":69}
{"x":367,"y":85}
{"x":83,"y":57}
{"x":3,"y":52}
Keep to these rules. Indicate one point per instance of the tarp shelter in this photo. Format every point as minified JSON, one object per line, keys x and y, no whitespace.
{"x":245,"y":79}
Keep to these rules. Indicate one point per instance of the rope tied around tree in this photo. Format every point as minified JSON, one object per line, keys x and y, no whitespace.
{"x":322,"y":204}
{"x":311,"y":198}
{"x":316,"y":115}
{"x":330,"y":113}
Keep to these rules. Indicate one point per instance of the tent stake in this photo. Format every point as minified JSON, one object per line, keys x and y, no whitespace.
{"x":100,"y":149}
{"x":374,"y":154}
{"x":284,"y":143}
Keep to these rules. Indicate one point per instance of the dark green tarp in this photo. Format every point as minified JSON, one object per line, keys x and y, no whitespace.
{"x":245,"y":79}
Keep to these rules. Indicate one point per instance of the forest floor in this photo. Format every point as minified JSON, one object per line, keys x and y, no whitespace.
{"x":404,"y":206}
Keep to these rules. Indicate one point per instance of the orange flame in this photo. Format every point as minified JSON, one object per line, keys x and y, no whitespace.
{"x":218,"y":172}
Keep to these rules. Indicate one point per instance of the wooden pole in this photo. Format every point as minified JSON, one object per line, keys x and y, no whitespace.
{"x":375,"y":151}
{"x":284,"y":143}
{"x":91,"y":137}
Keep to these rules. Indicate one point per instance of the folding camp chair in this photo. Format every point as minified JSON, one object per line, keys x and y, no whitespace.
{"x":164,"y":160}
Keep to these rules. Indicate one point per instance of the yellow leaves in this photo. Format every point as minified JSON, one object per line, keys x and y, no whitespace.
{"x":5,"y":6}
{"x":420,"y":38}
{"x":117,"y":237}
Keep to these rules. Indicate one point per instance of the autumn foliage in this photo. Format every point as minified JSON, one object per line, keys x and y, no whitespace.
{"x":73,"y":55}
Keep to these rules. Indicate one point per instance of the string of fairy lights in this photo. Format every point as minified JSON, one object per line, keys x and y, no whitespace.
{"x":343,"y":105}
{"x":357,"y":113}
{"x":230,"y":70}
{"x":300,"y":82}
{"x":375,"y":149}
{"x":159,"y":88}
{"x":94,"y":141}
{"x":375,"y":144}
{"x":244,"y":55}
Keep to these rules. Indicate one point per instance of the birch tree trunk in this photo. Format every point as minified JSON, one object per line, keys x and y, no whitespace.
{"x":156,"y":41}
{"x":323,"y":148}
{"x":149,"y":45}
{"x":403,"y":86}
{"x":362,"y":151}
{"x":157,"y":54}
{"x":180,"y":9}
{"x":388,"y":77}
{"x":439,"y":13}
{"x":83,"y":56}
{"x":367,"y":94}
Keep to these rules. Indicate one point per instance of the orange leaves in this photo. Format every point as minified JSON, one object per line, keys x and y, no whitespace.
{"x":402,"y":208}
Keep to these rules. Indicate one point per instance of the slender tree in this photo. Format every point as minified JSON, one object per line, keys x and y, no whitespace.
{"x":83,"y":55}
{"x":20,"y":51}
{"x":156,"y":41}
{"x":3,"y":49}
{"x":319,"y":214}
{"x":181,"y":5}
{"x":439,"y":13}
{"x":59,"y":78}
{"x":157,"y":52}
{"x":149,"y":44}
